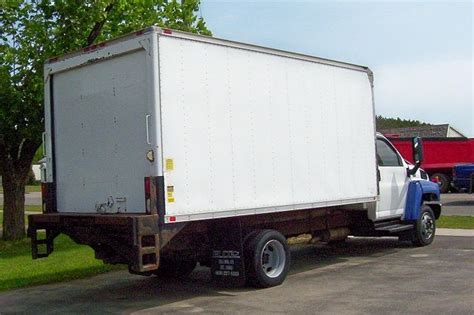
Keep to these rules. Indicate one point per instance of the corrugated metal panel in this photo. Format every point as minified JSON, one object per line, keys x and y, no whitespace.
{"x":244,"y":130}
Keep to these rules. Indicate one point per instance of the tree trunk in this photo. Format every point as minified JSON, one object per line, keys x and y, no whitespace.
{"x":13,"y":206}
{"x":15,"y":164}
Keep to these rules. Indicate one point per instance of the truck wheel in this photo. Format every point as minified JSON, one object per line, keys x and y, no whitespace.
{"x":442,"y":180}
{"x":425,"y":227}
{"x":267,"y":259}
{"x":173,"y":268}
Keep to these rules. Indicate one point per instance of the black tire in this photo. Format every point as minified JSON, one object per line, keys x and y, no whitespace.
{"x":175,"y":268}
{"x":425,"y":229}
{"x":267,"y":259}
{"x":443,"y":181}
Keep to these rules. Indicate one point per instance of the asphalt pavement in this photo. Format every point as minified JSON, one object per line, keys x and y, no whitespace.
{"x":367,"y":276}
{"x":457,"y":204}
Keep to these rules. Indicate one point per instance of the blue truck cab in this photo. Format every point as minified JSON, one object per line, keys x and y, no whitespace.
{"x":409,"y":204}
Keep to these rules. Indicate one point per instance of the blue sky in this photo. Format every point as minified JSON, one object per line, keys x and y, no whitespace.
{"x":421,"y":52}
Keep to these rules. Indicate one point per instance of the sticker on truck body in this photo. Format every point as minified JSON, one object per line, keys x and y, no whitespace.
{"x":169,"y":164}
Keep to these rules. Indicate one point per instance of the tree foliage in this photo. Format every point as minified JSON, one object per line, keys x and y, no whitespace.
{"x":32,"y":31}
{"x":388,"y":123}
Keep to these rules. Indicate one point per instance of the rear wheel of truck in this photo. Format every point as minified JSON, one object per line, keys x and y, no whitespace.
{"x":267,"y":259}
{"x":425,"y":227}
{"x":174,"y":268}
{"x":442,"y":180}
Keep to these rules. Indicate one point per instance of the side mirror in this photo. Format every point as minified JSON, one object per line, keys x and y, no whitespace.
{"x":417,"y":147}
{"x":417,"y":150}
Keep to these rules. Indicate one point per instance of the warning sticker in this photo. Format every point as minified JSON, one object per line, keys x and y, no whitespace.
{"x":169,"y":192}
{"x":169,"y":164}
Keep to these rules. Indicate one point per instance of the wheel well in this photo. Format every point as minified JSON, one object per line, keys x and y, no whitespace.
{"x":432,"y":201}
{"x":436,"y":209}
{"x":430,"y":197}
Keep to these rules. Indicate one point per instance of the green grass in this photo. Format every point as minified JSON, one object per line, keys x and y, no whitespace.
{"x":28,"y":188}
{"x":28,"y":208}
{"x":68,"y":261}
{"x":455,"y":222}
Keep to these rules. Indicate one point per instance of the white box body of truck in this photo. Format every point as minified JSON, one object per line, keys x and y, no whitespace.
{"x":233,"y":129}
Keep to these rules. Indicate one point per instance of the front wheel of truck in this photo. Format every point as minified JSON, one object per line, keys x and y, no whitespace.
{"x":267,"y":259}
{"x":425,"y":227}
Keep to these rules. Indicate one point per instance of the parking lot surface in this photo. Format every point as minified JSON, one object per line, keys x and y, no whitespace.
{"x":365,"y":276}
{"x":457,"y":204}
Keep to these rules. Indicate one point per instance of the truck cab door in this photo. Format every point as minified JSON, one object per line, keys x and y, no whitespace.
{"x":393,"y":181}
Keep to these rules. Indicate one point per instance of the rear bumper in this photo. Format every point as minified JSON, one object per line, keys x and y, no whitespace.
{"x":126,"y":239}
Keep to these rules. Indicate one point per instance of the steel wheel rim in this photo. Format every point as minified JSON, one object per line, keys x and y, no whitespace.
{"x":273,"y":258}
{"x":427,"y":226}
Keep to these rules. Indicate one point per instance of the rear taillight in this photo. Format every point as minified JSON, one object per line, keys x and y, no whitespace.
{"x":147,"y":188}
{"x":48,"y":196}
{"x":147,"y":194}
{"x":44,"y":191}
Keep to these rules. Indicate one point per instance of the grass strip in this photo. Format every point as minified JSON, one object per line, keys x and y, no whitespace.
{"x":68,"y":261}
{"x":455,"y":222}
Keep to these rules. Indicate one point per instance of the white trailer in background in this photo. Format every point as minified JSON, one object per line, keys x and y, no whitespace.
{"x":165,"y":148}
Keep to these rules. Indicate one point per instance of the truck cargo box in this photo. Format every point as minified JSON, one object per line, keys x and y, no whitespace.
{"x":228,"y":129}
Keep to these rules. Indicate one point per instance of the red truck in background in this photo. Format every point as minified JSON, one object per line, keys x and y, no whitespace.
{"x":440,"y":156}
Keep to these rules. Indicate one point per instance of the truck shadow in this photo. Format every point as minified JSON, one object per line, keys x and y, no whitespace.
{"x":459,"y":203}
{"x":119,"y":292}
{"x":311,"y":257}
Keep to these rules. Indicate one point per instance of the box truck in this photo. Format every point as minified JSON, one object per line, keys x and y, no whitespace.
{"x":441,"y":155}
{"x":166,"y":149}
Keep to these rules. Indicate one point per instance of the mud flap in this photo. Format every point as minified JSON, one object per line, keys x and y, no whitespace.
{"x":227,"y":257}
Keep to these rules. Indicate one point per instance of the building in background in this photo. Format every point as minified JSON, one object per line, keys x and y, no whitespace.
{"x":430,"y":131}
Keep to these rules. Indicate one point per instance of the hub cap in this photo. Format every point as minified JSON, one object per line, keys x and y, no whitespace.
{"x":273,"y":258}
{"x":427,"y":226}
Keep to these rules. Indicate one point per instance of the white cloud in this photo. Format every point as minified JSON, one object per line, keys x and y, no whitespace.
{"x":439,"y":91}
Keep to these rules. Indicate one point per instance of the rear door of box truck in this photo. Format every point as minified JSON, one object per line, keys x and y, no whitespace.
{"x":99,"y":109}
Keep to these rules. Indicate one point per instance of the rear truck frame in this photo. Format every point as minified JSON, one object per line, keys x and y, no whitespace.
{"x":144,"y":186}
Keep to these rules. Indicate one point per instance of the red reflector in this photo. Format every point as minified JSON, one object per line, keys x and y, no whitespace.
{"x":139,"y":33}
{"x":167,"y":31}
{"x":147,"y":188}
{"x":44,"y":191}
{"x":172,"y":219}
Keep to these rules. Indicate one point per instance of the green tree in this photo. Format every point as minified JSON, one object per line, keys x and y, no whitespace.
{"x":388,"y":123}
{"x":32,"y":31}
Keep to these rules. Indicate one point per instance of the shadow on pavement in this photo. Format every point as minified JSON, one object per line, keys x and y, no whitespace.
{"x":459,"y":203}
{"x":120,"y":291}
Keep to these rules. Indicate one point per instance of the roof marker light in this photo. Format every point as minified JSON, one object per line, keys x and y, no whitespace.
{"x":167,"y":31}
